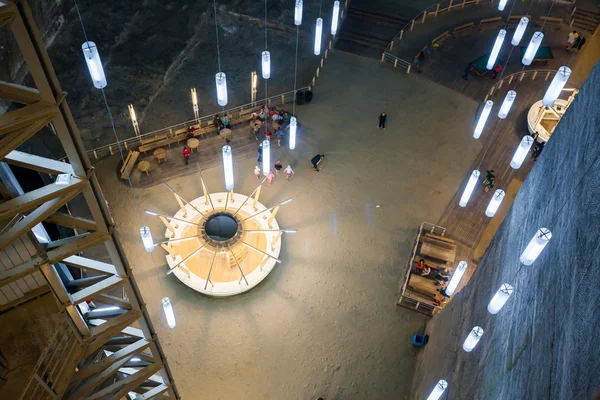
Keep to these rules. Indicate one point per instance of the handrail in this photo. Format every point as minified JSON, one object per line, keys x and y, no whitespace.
{"x":520,"y":75}
{"x":397,"y":61}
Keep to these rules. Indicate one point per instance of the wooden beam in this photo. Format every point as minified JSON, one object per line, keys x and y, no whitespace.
{"x":108,"y":299}
{"x":27,"y":116}
{"x":70,"y":221}
{"x":38,"y":163}
{"x":42,"y":290}
{"x":154,"y":392}
{"x":14,"y":139}
{"x":18,"y":93}
{"x":96,"y":288}
{"x":92,"y":383}
{"x":20,"y":271}
{"x":117,"y":323}
{"x":88,"y":263}
{"x":76,"y":246}
{"x":129,"y":331}
{"x":123,"y":386}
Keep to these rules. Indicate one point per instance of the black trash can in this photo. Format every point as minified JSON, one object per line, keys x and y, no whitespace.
{"x":299,"y":97}
{"x":308,"y":95}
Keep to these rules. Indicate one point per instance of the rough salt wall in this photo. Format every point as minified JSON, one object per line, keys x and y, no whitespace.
{"x":544,"y":343}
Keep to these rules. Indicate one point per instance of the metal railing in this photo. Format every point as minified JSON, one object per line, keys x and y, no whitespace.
{"x":531,"y":73}
{"x":109,"y":149}
{"x":398,"y":62}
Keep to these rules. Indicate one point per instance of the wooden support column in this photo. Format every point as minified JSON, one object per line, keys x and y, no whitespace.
{"x":167,"y":224}
{"x":273,"y":215}
{"x":169,"y":250}
{"x":181,"y":205}
{"x":274,"y":242}
{"x":205,"y":191}
{"x":256,"y":196}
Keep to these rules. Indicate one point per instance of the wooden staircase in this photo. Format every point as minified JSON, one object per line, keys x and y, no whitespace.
{"x":586,"y":21}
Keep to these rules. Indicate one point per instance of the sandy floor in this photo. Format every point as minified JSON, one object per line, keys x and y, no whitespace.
{"x":324,"y":323}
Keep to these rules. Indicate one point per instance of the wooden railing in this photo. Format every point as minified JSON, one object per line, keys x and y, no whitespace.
{"x":530,"y":74}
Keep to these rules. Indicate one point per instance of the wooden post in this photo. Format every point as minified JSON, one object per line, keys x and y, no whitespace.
{"x":272,"y":217}
{"x":408,"y":69}
{"x":424,"y":16}
{"x":500,"y":84}
{"x":313,"y":82}
{"x":437,"y":9}
{"x":330,"y":44}
{"x":326,"y":50}
{"x":167,"y":224}
{"x":382,"y":59}
{"x":487,"y":96}
{"x":274,"y":242}
{"x":181,"y":205}
{"x":282,"y":99}
{"x":318,"y":72}
{"x":401,"y":34}
{"x":510,"y":78}
{"x":95,"y":155}
{"x":573,"y":12}
{"x":412,"y":25}
{"x":450,"y":6}
{"x":125,"y":143}
{"x":322,"y":62}
{"x":396,"y":63}
{"x":571,"y":23}
{"x":463,"y":4}
{"x":392,"y":44}
{"x":169,"y":250}
{"x":522,"y":76}
{"x":110,"y":149}
{"x":534,"y":75}
{"x":547,"y":75}
{"x":256,"y":196}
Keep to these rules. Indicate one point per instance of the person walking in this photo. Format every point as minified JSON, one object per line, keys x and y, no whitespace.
{"x":468,"y":70}
{"x":257,"y":172}
{"x":270,"y":177}
{"x":316,"y":160}
{"x":288,"y":172}
{"x":279,"y":134}
{"x":268,"y":135}
{"x":382,"y":119}
{"x":186,"y":154}
{"x":278,"y":167}
{"x":573,"y":35}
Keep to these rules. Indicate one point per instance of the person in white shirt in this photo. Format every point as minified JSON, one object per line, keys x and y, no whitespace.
{"x":288,"y":172}
{"x":257,"y":172}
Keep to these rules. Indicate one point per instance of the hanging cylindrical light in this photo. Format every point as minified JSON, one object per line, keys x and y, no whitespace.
{"x":496,"y":49}
{"x":485,"y":113}
{"x":318,"y":34}
{"x":253,"y":85}
{"x":228,"y":167}
{"x":221,"y":80}
{"x":556,"y":86}
{"x":298,"y":13}
{"x":293,"y":133}
{"x":94,"y":64}
{"x":147,"y":238}
{"x":500,"y":298}
{"x":335,"y":16}
{"x":509,"y":99}
{"x":535,"y":246}
{"x":532,"y":48}
{"x":518,"y":35}
{"x":492,"y":207}
{"x":464,"y":199}
{"x":266,"y":157}
{"x":438,"y":390}
{"x":521,"y":152}
{"x":266,"y":64}
{"x":195,"y":103}
{"x":473,"y":338}
{"x":456,"y":277}
{"x":168,"y":309}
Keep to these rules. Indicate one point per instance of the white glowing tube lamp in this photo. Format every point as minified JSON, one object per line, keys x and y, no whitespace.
{"x":535,"y":246}
{"x":168,"y":309}
{"x":132,"y":114}
{"x":266,"y":157}
{"x":293,"y":127}
{"x":456,"y":277}
{"x":502,"y":4}
{"x":473,"y":338}
{"x":318,"y":34}
{"x":556,"y":86}
{"x":500,"y":298}
{"x":266,"y":65}
{"x":496,"y":49}
{"x":485,"y":113}
{"x":521,"y":152}
{"x":228,"y":167}
{"x":520,"y":31}
{"x":509,"y":99}
{"x":147,"y":239}
{"x":335,"y":16}
{"x":532,"y":48}
{"x":194,"y":100}
{"x":494,"y":203}
{"x":254,"y":80}
{"x":221,"y":81}
{"x":298,"y":13}
{"x":94,"y":64}
{"x":464,"y":199}
{"x":438,"y":390}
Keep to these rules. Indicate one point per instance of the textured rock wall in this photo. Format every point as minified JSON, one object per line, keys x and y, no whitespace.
{"x":545,"y":343}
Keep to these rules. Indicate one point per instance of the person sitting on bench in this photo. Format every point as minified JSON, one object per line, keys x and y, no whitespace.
{"x":217,"y":123}
{"x":226,"y":123}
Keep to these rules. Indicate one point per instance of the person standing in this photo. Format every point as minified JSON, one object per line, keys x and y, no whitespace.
{"x":571,"y":39}
{"x":579,"y":43}
{"x":496,"y":70}
{"x":257,"y":172}
{"x":270,"y":177}
{"x":186,"y":154}
{"x":268,"y":135}
{"x":468,"y":70}
{"x":288,"y":172}
{"x":278,"y":167}
{"x":316,"y":160}
{"x":279,"y":134}
{"x":382,"y":119}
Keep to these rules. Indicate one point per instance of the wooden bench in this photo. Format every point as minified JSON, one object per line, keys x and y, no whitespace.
{"x":550,"y":21}
{"x":490,"y":23}
{"x":464,"y":29}
{"x":440,"y":38}
{"x":127,"y":167}
{"x":153,"y":139}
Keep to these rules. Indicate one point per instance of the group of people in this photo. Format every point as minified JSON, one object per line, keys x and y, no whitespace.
{"x":281,"y":118}
{"x":221,"y":123}
{"x":440,"y":277}
{"x":575,"y":41}
{"x":278,"y":167}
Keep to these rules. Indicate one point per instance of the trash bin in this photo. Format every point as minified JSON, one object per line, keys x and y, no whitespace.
{"x":308,"y":95}
{"x":419,"y":340}
{"x":299,"y":97}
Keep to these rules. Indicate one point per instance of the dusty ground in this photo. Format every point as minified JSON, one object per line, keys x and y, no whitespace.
{"x":324,"y":323}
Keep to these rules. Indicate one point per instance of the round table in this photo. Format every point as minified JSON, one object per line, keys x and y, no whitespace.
{"x":144,"y":166}
{"x":193,"y":144}
{"x":226,"y":133}
{"x":160,"y":154}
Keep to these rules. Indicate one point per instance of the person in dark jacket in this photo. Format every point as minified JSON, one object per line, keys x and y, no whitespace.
{"x":316,"y":160}
{"x":382,"y":118}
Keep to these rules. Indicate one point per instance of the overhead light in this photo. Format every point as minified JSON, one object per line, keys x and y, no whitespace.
{"x":318,"y":34}
{"x":63,"y":179}
{"x":266,"y":64}
{"x":168,"y":309}
{"x":485,"y":113}
{"x":556,"y":86}
{"x":335,"y":16}
{"x":298,"y":13}
{"x":266,"y":157}
{"x":521,"y":152}
{"x":500,"y":298}
{"x":456,"y":277}
{"x":496,"y":49}
{"x":94,"y":64}
{"x":509,"y":99}
{"x":438,"y":390}
{"x":473,"y":338}
{"x":293,"y":128}
{"x":285,"y":201}
{"x":464,"y":199}
{"x":495,"y":203}
{"x":290,"y":230}
{"x":532,"y":48}
{"x":536,"y":245}
{"x":147,"y":238}
{"x":151,"y":213}
{"x":221,"y":81}
{"x":228,"y":167}
{"x":518,"y":35}
{"x":502,"y":4}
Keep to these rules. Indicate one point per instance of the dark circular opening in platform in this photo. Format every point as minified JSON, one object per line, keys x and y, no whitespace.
{"x":221,"y":227}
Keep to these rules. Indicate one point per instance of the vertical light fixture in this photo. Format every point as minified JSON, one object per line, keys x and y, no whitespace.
{"x":473,"y":338}
{"x":221,"y":80}
{"x":195,"y":104}
{"x":502,"y":4}
{"x":509,"y":99}
{"x":438,"y":390}
{"x":94,"y":64}
{"x":518,"y":35}
{"x":253,"y":85}
{"x":168,"y":309}
{"x":266,"y":65}
{"x":536,"y":245}
{"x":335,"y":16}
{"x":496,"y":49}
{"x":293,"y":133}
{"x":266,"y":157}
{"x":521,"y":152}
{"x":147,"y":239}
{"x":318,"y":34}
{"x":500,"y":298}
{"x":456,"y":277}
{"x":485,"y":113}
{"x":228,"y":167}
{"x":134,"y":121}
{"x":532,"y":48}
{"x":464,"y":199}
{"x":298,"y":13}
{"x":494,"y":203}
{"x":556,"y":86}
